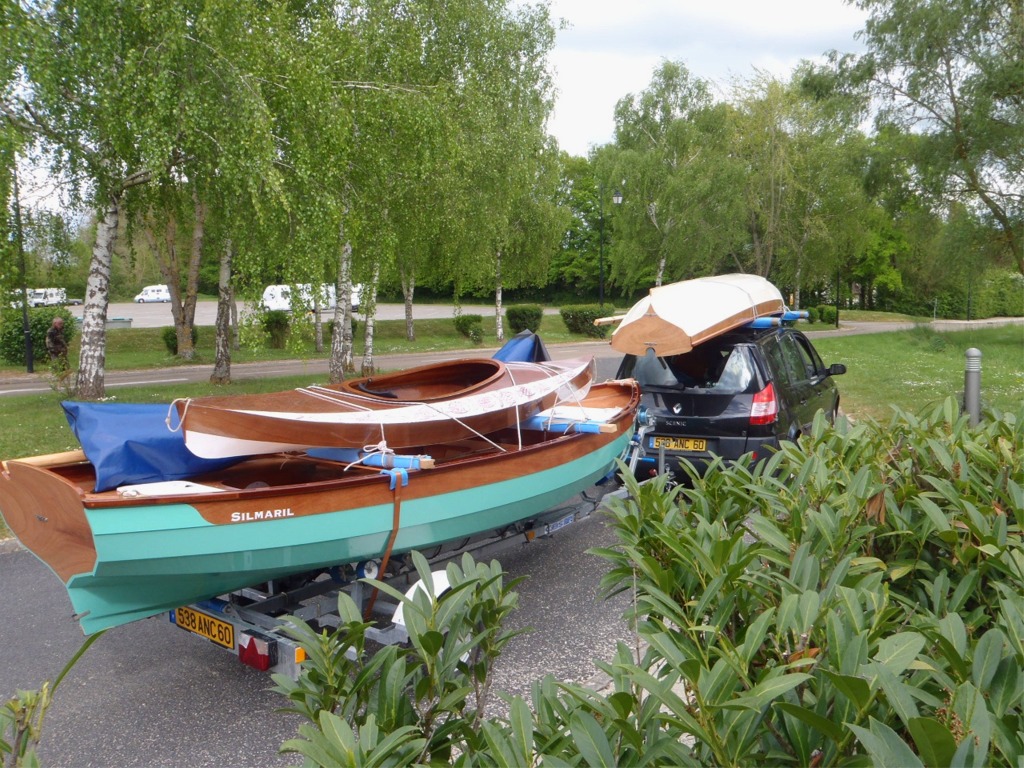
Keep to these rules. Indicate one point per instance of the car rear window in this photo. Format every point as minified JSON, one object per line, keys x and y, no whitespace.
{"x":722,"y":368}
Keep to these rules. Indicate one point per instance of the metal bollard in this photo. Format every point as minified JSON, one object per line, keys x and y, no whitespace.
{"x":972,"y":386}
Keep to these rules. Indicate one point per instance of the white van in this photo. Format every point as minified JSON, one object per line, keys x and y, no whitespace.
{"x":279,"y":297}
{"x":153,"y":293}
{"x":47,"y":297}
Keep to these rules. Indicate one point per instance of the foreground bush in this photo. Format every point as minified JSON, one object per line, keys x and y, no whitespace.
{"x":860,"y":595}
{"x":857,"y":599}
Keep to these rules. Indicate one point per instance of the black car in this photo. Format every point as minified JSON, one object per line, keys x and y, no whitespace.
{"x":741,"y":392}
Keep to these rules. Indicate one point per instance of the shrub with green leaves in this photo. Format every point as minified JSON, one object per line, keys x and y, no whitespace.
{"x":525,"y":317}
{"x":12,"y":332}
{"x":470,"y":326}
{"x":857,"y":597}
{"x":580,"y":319}
{"x":276,"y":324}
{"x":827,"y":313}
{"x":406,"y":704}
{"x":22,"y":716}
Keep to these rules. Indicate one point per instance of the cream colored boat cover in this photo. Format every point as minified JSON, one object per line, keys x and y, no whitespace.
{"x":674,"y":318}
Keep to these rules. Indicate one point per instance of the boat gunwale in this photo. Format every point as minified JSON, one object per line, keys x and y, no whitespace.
{"x":350,"y":387}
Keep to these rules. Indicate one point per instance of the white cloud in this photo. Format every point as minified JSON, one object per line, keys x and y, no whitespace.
{"x":610,"y":49}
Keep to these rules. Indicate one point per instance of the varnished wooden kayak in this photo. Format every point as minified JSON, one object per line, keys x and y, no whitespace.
{"x":430,"y":404}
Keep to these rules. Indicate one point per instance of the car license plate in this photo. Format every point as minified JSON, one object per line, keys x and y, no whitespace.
{"x":204,"y":625}
{"x":680,"y":443}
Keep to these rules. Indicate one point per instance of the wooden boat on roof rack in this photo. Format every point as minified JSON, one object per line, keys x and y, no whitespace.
{"x":431,"y":404}
{"x":674,"y":318}
{"x":142,"y":548}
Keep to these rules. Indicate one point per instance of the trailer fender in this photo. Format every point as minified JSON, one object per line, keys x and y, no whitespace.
{"x":440,"y":584}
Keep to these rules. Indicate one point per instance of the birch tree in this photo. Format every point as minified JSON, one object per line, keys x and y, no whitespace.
{"x":121,"y":95}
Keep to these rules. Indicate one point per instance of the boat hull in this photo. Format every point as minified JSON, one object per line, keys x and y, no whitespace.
{"x":674,"y":318}
{"x":153,"y":555}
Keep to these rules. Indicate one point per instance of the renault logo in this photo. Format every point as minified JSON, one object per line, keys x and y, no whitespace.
{"x":677,"y":408}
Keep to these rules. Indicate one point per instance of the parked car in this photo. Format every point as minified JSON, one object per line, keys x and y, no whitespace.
{"x":153,"y":293}
{"x":741,"y":392}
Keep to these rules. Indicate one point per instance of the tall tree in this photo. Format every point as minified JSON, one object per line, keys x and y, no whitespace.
{"x":952,"y":71}
{"x":679,"y":184}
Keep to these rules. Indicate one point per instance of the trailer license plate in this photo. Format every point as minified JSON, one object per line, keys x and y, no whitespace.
{"x":559,"y":524}
{"x":220,"y":632}
{"x":680,"y":443}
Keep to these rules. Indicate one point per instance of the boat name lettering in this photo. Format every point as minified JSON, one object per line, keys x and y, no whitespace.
{"x":262,"y":514}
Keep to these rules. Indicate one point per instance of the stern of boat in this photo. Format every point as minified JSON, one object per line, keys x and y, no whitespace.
{"x":46,"y":514}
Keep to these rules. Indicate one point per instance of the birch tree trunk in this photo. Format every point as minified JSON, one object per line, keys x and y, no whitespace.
{"x":408,"y":289}
{"x":92,"y":360}
{"x":342,"y":359}
{"x":222,"y":346}
{"x":498,"y":325}
{"x":368,"y":368}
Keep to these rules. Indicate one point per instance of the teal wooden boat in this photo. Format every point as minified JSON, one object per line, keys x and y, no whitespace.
{"x":138,"y":550}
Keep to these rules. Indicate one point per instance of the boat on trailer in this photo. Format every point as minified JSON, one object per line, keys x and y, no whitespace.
{"x":140,"y":549}
{"x":434,"y":403}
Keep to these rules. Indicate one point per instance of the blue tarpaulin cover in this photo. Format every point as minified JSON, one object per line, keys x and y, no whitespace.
{"x":524,"y":347}
{"x":130,"y":443}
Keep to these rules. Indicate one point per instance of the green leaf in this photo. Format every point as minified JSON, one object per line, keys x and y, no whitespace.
{"x":591,"y":741}
{"x":886,"y":748}
{"x":521,"y":722}
{"x":935,"y":744}
{"x":987,"y":654}
{"x":897,"y":652}
{"x":1007,"y":688}
{"x":823,"y":725}
{"x":762,"y":694}
{"x":431,"y":642}
{"x":856,"y":689}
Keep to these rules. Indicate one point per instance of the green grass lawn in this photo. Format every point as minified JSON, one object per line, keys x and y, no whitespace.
{"x":911,"y":368}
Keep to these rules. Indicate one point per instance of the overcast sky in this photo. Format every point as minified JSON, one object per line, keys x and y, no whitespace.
{"x":611,"y":48}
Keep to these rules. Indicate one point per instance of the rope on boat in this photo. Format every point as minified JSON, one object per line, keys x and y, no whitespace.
{"x":184,"y":413}
{"x":380,"y":449}
{"x":320,"y":393}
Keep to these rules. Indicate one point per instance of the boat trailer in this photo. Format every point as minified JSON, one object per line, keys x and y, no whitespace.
{"x":250,"y":622}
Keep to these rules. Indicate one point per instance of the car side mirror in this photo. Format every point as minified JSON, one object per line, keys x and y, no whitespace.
{"x":836,"y":369}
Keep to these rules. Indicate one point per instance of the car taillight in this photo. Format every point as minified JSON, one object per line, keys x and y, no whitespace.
{"x":765,"y":408}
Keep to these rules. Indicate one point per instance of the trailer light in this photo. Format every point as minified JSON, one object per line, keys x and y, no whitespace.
{"x":300,"y":655}
{"x":257,"y":650}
